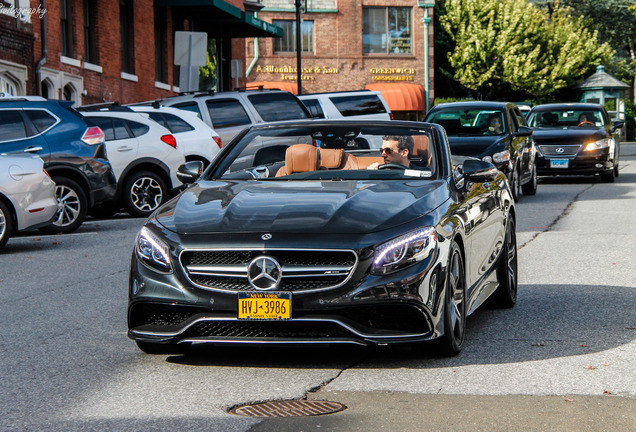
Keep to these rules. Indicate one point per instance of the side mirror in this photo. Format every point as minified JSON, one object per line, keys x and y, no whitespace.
{"x":618,"y":124}
{"x":189,"y":172}
{"x":479,"y":171}
{"x":524,"y":131}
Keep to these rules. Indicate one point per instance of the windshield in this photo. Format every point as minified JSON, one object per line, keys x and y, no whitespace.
{"x":471,"y":121}
{"x":564,"y":118}
{"x":330,"y":152}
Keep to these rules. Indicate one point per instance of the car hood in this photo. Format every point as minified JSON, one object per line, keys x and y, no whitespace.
{"x":567,"y":134}
{"x":331,"y":207}
{"x":477,"y":146}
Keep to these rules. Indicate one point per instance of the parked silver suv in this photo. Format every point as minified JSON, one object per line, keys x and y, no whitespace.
{"x":360,"y":104}
{"x":228,"y":113}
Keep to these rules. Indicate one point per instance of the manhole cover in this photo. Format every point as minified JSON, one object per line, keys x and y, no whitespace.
{"x":290,"y":408}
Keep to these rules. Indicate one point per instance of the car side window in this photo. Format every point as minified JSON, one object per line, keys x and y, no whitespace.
{"x":137,"y":129}
{"x":358,"y":105}
{"x":189,"y":106}
{"x":314,"y":108}
{"x":176,"y":124}
{"x":278,"y":106}
{"x":11,"y":126}
{"x":227,"y":112}
{"x":105,"y":124}
{"x":158,"y":118}
{"x":121,"y":132}
{"x":41,"y":119}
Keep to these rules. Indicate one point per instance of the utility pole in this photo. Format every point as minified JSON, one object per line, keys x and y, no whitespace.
{"x":298,"y":47}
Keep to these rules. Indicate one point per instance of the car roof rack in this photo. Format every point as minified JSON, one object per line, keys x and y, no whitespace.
{"x":12,"y":98}
{"x":197,"y":93}
{"x":105,"y":106}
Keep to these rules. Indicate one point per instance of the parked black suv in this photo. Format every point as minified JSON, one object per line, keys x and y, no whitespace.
{"x":496,"y":132}
{"x":74,"y":153}
{"x":228,"y":113}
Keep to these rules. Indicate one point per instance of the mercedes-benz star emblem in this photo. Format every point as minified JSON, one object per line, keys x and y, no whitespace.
{"x":264,"y":273}
{"x":266,"y":236}
{"x":560,"y":150}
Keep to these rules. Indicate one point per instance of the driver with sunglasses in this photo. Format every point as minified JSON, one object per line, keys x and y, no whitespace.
{"x":395,"y":150}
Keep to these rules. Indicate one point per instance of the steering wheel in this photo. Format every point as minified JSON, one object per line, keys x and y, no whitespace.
{"x":583,"y":123}
{"x":394,"y":166}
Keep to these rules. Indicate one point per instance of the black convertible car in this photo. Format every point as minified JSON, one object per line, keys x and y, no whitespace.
{"x":301,"y":232}
{"x":576,"y":139}
{"x":496,"y":132}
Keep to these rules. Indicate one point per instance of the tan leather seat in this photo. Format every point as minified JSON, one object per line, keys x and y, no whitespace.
{"x":337,"y":159}
{"x":300,"y":158}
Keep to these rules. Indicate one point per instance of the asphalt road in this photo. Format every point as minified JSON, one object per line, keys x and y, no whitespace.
{"x":562,"y":359}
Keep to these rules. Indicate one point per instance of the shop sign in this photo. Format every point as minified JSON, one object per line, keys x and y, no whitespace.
{"x":392,"y":74}
{"x":289,"y":73}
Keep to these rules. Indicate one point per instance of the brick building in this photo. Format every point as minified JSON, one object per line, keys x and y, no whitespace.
{"x":384,"y":45}
{"x":93,"y":51}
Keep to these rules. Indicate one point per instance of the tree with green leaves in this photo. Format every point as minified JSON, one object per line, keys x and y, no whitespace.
{"x":615,"y":21}
{"x":516,"y":43}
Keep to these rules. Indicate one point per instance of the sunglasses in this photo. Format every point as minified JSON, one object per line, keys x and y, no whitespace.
{"x":387,"y":150}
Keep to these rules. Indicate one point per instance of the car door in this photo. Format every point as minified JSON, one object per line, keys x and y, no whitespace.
{"x":121,"y":146}
{"x":18,"y":134}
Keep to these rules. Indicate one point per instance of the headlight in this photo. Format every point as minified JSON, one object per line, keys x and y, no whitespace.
{"x":597,"y":145}
{"x":403,"y":251}
{"x":500,"y":157}
{"x":152,"y":251}
{"x":487,"y":159}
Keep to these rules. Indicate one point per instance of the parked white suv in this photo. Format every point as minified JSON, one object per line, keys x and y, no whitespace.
{"x":362,"y":104}
{"x":229,"y":113}
{"x":144,"y":157}
{"x":197,"y":141}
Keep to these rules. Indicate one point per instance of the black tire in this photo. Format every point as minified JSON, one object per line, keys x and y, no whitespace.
{"x":530,"y":188}
{"x":143,"y":193}
{"x":6,"y":224}
{"x":73,"y":206}
{"x":608,"y":176}
{"x":507,"y":272}
{"x":515,"y":184}
{"x":452,"y":341}
{"x":161,"y":348}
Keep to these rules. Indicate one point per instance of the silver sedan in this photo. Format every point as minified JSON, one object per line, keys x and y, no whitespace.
{"x":27,"y":195}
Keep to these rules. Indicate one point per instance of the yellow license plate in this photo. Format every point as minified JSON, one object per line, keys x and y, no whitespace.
{"x":264,"y":306}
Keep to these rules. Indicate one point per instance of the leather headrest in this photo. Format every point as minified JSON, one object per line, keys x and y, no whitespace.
{"x":302,"y":158}
{"x":331,"y":158}
{"x":420,"y":147}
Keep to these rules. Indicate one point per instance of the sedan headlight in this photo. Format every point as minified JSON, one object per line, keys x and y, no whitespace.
{"x":597,"y":145}
{"x":501,"y":157}
{"x":152,"y":251}
{"x":404,"y":251}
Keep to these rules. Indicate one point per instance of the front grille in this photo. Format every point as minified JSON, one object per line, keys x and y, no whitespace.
{"x":297,"y":330}
{"x":301,"y":270}
{"x":559,"y":150}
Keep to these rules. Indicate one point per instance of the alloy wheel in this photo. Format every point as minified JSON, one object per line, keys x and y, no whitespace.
{"x":457,"y":305}
{"x":68,"y":206}
{"x":146,"y":194}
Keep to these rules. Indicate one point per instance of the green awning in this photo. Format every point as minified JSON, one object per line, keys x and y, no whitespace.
{"x":233,"y":22}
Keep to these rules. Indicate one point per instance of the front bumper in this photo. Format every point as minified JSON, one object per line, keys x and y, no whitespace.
{"x":368,"y":310}
{"x":596,"y":162}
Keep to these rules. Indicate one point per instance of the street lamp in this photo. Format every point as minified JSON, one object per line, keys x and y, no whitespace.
{"x":298,"y":47}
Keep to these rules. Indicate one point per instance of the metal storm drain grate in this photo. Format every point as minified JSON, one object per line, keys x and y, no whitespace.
{"x":289,"y":408}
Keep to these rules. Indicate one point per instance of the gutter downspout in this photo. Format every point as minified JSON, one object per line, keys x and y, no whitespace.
{"x":255,"y":59}
{"x":42,"y":60}
{"x":426,"y":20}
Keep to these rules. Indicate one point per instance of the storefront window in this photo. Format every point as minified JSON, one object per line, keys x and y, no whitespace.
{"x":386,"y":30}
{"x":287,"y":43}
